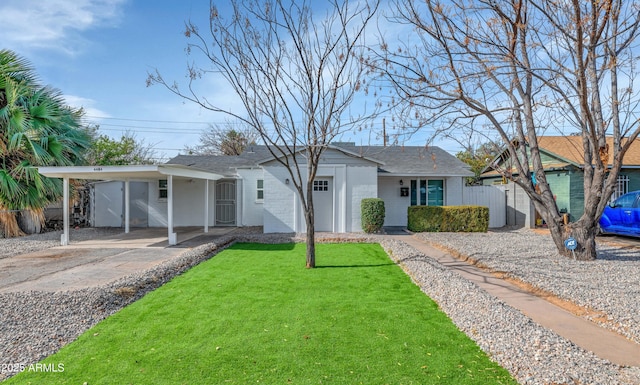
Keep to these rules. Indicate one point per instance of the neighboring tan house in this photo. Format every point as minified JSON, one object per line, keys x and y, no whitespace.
{"x":254,"y":189}
{"x":563,"y":159}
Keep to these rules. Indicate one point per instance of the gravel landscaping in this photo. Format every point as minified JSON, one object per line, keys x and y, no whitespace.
{"x":36,"y":324}
{"x":609,"y":287}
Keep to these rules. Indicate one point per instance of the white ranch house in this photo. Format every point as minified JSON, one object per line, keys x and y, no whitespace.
{"x":254,"y":189}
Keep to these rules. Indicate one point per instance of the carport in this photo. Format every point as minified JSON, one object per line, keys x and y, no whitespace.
{"x":127,"y":174}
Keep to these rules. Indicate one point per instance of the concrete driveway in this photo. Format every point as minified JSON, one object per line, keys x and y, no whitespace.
{"x":99,"y":261}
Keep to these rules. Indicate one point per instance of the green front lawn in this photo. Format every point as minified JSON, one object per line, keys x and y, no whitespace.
{"x":254,"y":315}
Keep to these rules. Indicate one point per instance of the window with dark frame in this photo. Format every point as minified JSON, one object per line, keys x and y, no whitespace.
{"x":260,"y":189}
{"x":320,"y":185}
{"x":163,"y":192}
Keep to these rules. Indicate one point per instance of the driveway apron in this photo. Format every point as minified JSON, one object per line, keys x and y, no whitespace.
{"x":95,"y":262}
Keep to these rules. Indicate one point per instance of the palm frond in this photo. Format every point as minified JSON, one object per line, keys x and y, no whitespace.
{"x":9,"y":187}
{"x":16,"y":67}
{"x":36,"y":129}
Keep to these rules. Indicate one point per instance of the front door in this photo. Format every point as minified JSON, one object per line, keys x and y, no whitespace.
{"x":323,"y":204}
{"x":226,"y":203}
{"x":427,"y":192}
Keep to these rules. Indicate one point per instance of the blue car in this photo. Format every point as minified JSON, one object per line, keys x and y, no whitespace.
{"x":622,"y":217}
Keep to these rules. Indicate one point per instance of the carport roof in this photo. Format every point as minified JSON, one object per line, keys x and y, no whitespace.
{"x":156,"y":171}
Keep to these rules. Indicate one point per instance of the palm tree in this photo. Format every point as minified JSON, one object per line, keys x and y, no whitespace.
{"x":36,"y":129}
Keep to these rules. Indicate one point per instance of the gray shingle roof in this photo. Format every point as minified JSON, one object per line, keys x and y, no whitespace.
{"x":413,"y":160}
{"x":396,"y":160}
{"x":224,"y":164}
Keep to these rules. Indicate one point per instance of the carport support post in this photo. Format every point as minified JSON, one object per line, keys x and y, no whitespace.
{"x":127,"y":208}
{"x":173,"y":239}
{"x":206,"y":205}
{"x":64,"y":238}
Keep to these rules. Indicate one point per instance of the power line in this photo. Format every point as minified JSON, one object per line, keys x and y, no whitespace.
{"x":375,"y":125}
{"x":145,"y":120}
{"x":176,"y":129}
{"x":152,"y":131}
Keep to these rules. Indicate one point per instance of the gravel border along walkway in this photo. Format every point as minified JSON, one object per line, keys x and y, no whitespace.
{"x":34,"y":325}
{"x":607,"y":290}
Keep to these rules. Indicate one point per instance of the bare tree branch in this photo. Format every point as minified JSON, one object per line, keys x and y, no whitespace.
{"x":295,"y":74}
{"x":517,"y":68}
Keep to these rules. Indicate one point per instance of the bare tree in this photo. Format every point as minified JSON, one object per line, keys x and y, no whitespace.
{"x":521,"y":68}
{"x":296,"y":77}
{"x":223,"y":139}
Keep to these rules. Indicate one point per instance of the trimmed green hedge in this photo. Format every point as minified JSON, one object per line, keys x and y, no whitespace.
{"x":372,"y":214}
{"x":448,"y":218}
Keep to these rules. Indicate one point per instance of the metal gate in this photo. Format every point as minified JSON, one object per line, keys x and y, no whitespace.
{"x":226,"y":203}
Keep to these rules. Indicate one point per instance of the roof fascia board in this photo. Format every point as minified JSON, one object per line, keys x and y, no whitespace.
{"x":418,"y":175}
{"x":187,"y":172}
{"x":340,"y":149}
{"x":125,"y":172}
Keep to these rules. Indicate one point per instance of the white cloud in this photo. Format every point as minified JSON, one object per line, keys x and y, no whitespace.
{"x":88,"y":105}
{"x":54,"y":24}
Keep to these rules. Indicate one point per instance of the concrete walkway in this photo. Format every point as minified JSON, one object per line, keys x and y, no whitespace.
{"x":603,"y":343}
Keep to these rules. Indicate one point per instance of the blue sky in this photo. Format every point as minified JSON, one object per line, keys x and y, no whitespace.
{"x":98,"y":53}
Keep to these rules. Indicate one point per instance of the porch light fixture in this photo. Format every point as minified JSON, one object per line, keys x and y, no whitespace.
{"x":401,"y":182}
{"x":286,"y":181}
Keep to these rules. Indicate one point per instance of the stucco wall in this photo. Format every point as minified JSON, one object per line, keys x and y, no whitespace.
{"x":351,"y":183}
{"x":396,"y":206}
{"x":252,"y":207}
{"x":362,"y":182}
{"x":188,"y":203}
{"x":108,"y":210}
{"x":280,"y":205}
{"x":157,"y":207}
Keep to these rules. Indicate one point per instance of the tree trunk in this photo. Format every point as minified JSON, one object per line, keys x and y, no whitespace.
{"x":31,"y":221}
{"x":9,"y":224}
{"x":311,"y":246}
{"x":583,"y":231}
{"x":311,"y":230}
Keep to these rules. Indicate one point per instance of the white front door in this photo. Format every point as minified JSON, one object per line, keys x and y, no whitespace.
{"x":323,"y":204}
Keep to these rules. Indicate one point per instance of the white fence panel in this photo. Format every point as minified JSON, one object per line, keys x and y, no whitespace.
{"x":489,"y":196}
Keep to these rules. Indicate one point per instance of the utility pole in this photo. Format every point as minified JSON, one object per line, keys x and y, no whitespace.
{"x":384,"y":133}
